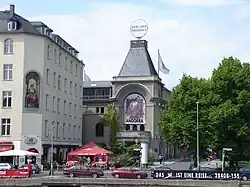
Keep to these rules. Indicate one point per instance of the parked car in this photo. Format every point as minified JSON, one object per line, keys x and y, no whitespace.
{"x":35,"y":168}
{"x":5,"y":166}
{"x":244,"y":174}
{"x":81,"y":170}
{"x":126,"y":172}
{"x":160,"y":168}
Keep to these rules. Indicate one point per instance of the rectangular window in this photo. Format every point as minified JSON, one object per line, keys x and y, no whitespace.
{"x":65,"y":85}
{"x":58,"y":105}
{"x":47,"y":76}
{"x":55,"y":56}
{"x":69,"y":131}
{"x":102,"y":110}
{"x":64,"y":107}
{"x":48,"y":52}
{"x":97,"y":110}
{"x":70,"y":105}
{"x":81,"y":72}
{"x":53,"y":129}
{"x":47,"y":102}
{"x":59,"y":82}
{"x":75,"y":90}
{"x":7,"y":72}
{"x":76,"y":70}
{"x":63,"y":130}
{"x":54,"y":104}
{"x":59,"y":59}
{"x":5,"y":126}
{"x":71,"y":66}
{"x":70,"y":87}
{"x":74,"y":132}
{"x":46,"y":130}
{"x":58,"y":130}
{"x":75,"y":111}
{"x":7,"y":99}
{"x":80,"y":132}
{"x":54,"y":79}
{"x":66,"y":63}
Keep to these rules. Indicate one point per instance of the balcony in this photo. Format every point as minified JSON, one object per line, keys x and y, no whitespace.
{"x":134,"y":135}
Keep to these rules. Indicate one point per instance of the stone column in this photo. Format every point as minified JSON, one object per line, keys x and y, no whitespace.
{"x":144,"y":153}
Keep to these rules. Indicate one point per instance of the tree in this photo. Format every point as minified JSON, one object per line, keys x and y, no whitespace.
{"x":224,"y":107}
{"x":111,"y":120}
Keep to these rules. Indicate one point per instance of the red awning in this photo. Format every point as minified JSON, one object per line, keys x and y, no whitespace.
{"x":5,"y":147}
{"x":90,"y":149}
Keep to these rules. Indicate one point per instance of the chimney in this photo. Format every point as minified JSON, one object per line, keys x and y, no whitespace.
{"x":12,"y":9}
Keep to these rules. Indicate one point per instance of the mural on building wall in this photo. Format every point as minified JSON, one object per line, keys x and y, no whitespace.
{"x":32,"y":90}
{"x":134,"y":109}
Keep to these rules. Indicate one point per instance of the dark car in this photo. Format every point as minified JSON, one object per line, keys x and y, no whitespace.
{"x":127,"y":172}
{"x":35,"y":168}
{"x":81,"y":171}
{"x":244,"y":173}
{"x":160,"y":168}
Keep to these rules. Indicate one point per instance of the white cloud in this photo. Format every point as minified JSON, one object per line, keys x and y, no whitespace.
{"x":102,"y":36}
{"x":204,"y":2}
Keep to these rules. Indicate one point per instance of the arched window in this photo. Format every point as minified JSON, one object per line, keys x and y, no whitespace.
{"x":134,"y":127}
{"x":32,"y":90}
{"x":99,"y":130}
{"x":142,"y":128}
{"x":127,"y":127}
{"x":8,"y":46}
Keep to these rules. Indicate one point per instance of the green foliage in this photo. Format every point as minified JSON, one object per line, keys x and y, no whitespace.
{"x":111,"y":120}
{"x":224,"y":107}
{"x":118,"y":148}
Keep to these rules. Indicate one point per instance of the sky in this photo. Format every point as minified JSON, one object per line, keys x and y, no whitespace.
{"x":193,"y":36}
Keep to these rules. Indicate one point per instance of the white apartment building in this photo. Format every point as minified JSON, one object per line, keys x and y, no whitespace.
{"x":41,"y":89}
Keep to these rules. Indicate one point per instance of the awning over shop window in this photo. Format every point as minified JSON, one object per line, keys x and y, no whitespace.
{"x":6,"y":146}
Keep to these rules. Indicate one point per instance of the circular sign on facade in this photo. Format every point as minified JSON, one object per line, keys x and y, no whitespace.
{"x":139,"y":28}
{"x":30,"y":141}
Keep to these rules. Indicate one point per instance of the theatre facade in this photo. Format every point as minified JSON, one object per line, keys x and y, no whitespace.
{"x":139,"y":96}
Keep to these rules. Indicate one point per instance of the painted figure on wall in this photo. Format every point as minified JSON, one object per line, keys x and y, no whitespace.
{"x":32,"y":90}
{"x":134,"y":109}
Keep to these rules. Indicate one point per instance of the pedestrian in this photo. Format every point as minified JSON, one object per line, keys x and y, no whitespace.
{"x":160,"y":159}
{"x":29,"y":168}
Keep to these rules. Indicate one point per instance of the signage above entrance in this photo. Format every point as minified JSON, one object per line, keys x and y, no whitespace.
{"x":30,"y":141}
{"x":139,"y":28}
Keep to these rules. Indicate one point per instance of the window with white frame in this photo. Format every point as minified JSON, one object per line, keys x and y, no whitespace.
{"x":58,"y":130}
{"x":54,"y":104}
{"x":65,"y":85}
{"x":12,"y":25}
{"x":47,"y":76}
{"x":54,"y":79}
{"x":75,"y":90}
{"x":75,"y":111}
{"x":64,"y":108}
{"x":58,"y":105}
{"x":70,"y":87}
{"x":69,"y":131}
{"x":60,"y":59}
{"x":66,"y":63}
{"x":70,"y":106}
{"x":71,"y":66}
{"x":53,"y":129}
{"x":5,"y":126}
{"x":48,"y":52}
{"x":7,"y":72}
{"x":7,"y":98}
{"x":55,"y":56}
{"x":76,"y":70}
{"x":46,"y":130}
{"x":59,"y":82}
{"x":47,"y":102}
{"x":81,"y":72}
{"x":63,"y":130}
{"x":8,"y":46}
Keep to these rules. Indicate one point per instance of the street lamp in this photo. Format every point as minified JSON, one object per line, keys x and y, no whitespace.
{"x":52,"y":150}
{"x":197,"y":137}
{"x":223,"y":156}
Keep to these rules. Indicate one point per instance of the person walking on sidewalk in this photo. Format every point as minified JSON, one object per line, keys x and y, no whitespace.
{"x":29,"y":168}
{"x":160,"y":159}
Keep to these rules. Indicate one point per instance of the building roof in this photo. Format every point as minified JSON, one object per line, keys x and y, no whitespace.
{"x":96,"y":84}
{"x":138,"y":62}
{"x":23,"y":25}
